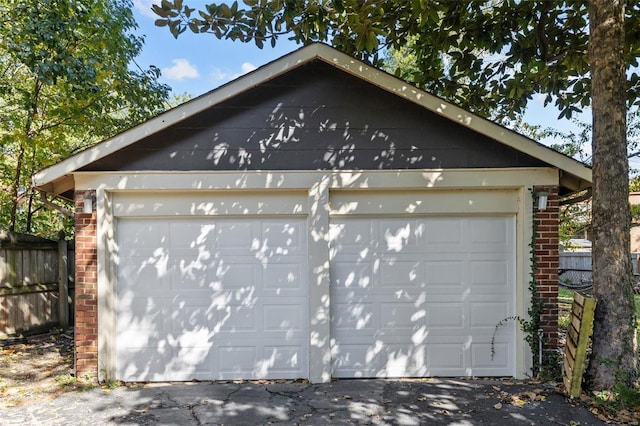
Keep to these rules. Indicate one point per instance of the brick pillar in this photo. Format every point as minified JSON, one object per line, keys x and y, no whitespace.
{"x":547,"y":259}
{"x":86,"y":306}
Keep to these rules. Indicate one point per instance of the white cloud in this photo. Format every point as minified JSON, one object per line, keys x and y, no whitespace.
{"x":217,"y":75}
{"x":247,"y":67}
{"x":144,"y":7}
{"x":180,"y":70}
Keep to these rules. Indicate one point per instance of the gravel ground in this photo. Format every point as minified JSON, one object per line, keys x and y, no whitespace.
{"x":36,"y":368}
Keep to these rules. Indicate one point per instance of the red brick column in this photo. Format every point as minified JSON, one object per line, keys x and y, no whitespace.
{"x":547,"y":262}
{"x":86,"y":311}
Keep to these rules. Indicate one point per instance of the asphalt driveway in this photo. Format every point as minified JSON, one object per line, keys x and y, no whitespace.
{"x":376,"y":402}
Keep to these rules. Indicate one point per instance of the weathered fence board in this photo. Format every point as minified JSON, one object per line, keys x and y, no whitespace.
{"x":32,"y":281}
{"x":575,"y":351}
{"x":574,"y":269}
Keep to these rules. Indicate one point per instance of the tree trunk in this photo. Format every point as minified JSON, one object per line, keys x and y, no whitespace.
{"x":614,"y":357}
{"x":15,"y":190}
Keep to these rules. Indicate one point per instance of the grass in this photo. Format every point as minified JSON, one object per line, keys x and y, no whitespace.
{"x":69,"y":382}
{"x":565,"y":296}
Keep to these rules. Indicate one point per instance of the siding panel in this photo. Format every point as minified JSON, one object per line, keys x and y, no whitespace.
{"x":314,"y":118}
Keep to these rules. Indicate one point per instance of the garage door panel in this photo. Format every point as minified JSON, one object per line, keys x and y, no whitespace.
{"x":188,"y":234}
{"x":484,"y":363}
{"x":489,"y":231}
{"x":489,"y":273}
{"x":398,"y":316}
{"x":355,"y":360}
{"x":389,"y":359}
{"x":144,"y":273}
{"x":236,"y":319}
{"x":443,"y":315}
{"x":232,"y":235}
{"x":443,"y":287}
{"x":144,"y":333}
{"x":282,"y":359}
{"x":396,"y":273}
{"x":396,"y":235}
{"x":284,"y":275}
{"x":229,"y":296}
{"x":264,"y":362}
{"x":237,"y":361}
{"x":380,"y":360}
{"x":186,"y":313}
{"x":137,"y":364}
{"x":446,"y":356}
{"x":351,"y":273}
{"x":235,"y":273}
{"x":282,"y":317}
{"x":442,"y":232}
{"x":354,"y":237}
{"x":351,"y":316}
{"x":488,"y":314}
{"x":444,"y":273}
{"x":143,"y":235}
{"x":284,"y":235}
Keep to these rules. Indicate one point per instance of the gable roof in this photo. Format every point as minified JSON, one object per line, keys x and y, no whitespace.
{"x":58,"y":179}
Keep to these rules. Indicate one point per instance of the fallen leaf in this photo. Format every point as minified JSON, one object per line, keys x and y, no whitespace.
{"x":498,"y":406}
{"x":422,"y":398}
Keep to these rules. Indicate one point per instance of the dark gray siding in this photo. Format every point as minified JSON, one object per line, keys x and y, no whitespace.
{"x":315,"y":117}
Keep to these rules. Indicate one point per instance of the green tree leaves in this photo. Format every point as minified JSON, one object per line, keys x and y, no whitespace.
{"x":65,"y":83}
{"x":488,"y":57}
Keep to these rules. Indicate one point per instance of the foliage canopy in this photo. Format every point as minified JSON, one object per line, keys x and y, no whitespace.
{"x":65,"y":83}
{"x":486,"y":56}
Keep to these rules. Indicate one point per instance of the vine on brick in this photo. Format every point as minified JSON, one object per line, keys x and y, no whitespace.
{"x":529,"y":326}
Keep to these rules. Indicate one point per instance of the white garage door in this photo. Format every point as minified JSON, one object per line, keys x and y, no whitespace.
{"x":422,"y":297}
{"x":211,"y":299}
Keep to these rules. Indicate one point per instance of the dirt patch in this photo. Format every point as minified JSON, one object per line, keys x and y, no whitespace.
{"x":36,"y":368}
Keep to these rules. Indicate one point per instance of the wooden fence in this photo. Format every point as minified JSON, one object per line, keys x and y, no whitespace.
{"x":575,"y":268}
{"x":36,"y":283}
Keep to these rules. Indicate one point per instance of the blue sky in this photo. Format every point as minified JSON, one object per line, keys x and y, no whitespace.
{"x":196,"y":64}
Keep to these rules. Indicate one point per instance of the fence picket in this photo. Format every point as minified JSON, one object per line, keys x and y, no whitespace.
{"x":34,"y":284}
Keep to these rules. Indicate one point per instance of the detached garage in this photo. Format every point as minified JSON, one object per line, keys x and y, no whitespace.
{"x":315,"y":218}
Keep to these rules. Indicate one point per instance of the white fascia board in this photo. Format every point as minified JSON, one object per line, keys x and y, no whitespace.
{"x":176,"y":115}
{"x":454,"y":113}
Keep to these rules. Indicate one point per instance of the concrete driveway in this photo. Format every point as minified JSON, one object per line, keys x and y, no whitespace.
{"x":376,"y":402}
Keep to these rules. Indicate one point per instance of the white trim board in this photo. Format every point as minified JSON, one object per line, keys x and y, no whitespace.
{"x":302,"y":180}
